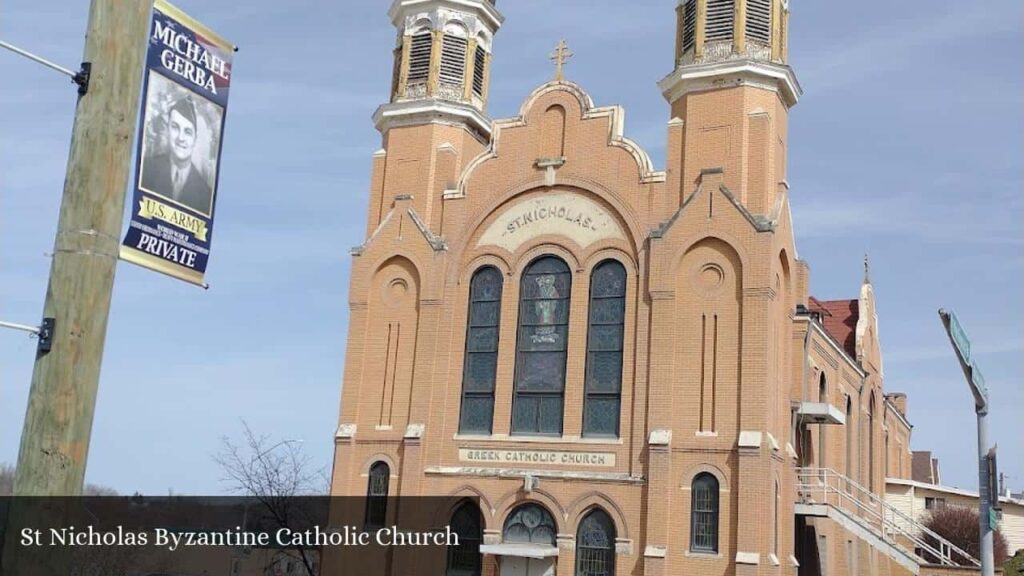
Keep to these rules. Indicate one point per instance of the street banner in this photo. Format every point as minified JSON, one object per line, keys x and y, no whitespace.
{"x":184,"y":103}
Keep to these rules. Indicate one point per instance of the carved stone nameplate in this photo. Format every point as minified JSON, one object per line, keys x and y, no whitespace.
{"x":533,"y":457}
{"x":572,"y":215}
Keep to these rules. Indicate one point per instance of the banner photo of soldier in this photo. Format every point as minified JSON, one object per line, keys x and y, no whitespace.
{"x":184,"y":104}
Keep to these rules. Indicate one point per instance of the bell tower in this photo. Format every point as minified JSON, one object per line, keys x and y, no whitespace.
{"x":730,"y":94}
{"x":442,"y":63}
{"x":435,"y":118}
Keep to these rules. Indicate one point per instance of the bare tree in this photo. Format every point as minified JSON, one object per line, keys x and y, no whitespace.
{"x":959,"y":525}
{"x":273,"y":474}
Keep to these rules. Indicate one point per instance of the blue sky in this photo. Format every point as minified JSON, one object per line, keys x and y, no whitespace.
{"x":907,"y":145}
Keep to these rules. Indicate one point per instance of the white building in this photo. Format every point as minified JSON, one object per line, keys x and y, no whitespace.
{"x":917,"y":499}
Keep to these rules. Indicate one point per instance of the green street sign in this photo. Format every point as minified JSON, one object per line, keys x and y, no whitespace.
{"x":993,"y":519}
{"x":978,"y":380}
{"x":960,"y":340}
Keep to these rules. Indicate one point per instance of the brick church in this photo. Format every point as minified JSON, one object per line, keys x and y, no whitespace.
{"x":620,"y":367}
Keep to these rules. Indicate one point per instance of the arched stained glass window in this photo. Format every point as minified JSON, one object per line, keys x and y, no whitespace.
{"x":595,"y":545}
{"x":604,"y":350}
{"x":530,"y":524}
{"x":704,"y":514}
{"x":377,"y":495}
{"x":541,"y":347}
{"x":481,"y":363}
{"x":464,"y":559}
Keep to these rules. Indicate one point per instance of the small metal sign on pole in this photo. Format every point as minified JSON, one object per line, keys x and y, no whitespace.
{"x":988,"y":517}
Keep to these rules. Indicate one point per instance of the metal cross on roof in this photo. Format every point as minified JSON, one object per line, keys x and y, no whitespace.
{"x":559,"y":57}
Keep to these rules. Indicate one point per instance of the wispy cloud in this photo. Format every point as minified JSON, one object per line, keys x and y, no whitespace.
{"x":894,"y":45}
{"x":926,"y":354}
{"x":907,"y":216}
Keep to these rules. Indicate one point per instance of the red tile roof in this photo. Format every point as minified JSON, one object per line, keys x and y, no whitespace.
{"x":840,"y":320}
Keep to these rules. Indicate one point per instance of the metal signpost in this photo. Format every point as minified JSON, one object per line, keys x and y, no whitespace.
{"x":989,"y":497}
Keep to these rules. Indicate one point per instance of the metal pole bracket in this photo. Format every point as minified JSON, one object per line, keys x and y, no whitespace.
{"x":46,"y":336}
{"x":82,"y":78}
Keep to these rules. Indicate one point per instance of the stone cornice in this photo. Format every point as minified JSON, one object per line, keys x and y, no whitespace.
{"x":727,"y":73}
{"x":419,"y":112}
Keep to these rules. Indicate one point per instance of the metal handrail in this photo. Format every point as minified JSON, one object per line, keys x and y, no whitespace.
{"x":914,"y":524}
{"x":879,"y":512}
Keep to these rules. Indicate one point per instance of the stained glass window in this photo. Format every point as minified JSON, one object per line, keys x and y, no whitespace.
{"x":481,"y":363}
{"x":595,"y":545}
{"x":704,"y":514}
{"x":604,"y":350}
{"x":541,"y":347}
{"x":464,"y":558}
{"x":377,"y":496}
{"x":530,"y":524}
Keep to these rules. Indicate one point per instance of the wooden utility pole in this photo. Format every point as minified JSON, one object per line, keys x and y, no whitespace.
{"x":62,"y":400}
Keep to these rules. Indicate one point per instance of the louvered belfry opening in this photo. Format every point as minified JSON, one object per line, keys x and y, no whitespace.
{"x":689,"y":25}
{"x":453,"y":60}
{"x":715,"y":30}
{"x":419,"y":58}
{"x":480,"y":63}
{"x":720,"y":18}
{"x":759,"y":20}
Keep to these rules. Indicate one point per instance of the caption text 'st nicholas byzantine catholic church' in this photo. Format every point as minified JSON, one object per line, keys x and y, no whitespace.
{"x":620,"y":368}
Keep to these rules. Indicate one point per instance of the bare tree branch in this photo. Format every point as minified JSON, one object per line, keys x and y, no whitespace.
{"x":273,"y":473}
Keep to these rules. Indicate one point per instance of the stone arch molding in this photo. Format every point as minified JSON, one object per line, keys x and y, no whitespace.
{"x":437,"y":18}
{"x":616,"y":132}
{"x":512,"y":500}
{"x":460,"y":495}
{"x":561,"y":212}
{"x":591,"y":501}
{"x":691,"y":474}
{"x":380,"y":457}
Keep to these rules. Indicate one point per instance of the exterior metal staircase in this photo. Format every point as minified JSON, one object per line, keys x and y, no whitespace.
{"x":825,"y":492}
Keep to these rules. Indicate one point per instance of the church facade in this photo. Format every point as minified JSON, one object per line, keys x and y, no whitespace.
{"x":620,"y":367}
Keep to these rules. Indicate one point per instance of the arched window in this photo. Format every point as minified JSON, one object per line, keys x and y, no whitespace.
{"x":704,"y":514}
{"x":849,"y":437}
{"x":464,"y":559}
{"x":541,"y":347}
{"x":604,"y":350}
{"x":595,"y":545}
{"x":886,"y":456}
{"x":776,"y":519}
{"x":822,"y":398}
{"x":871,"y":442}
{"x":377,"y":496}
{"x":530,"y":524}
{"x":481,"y":363}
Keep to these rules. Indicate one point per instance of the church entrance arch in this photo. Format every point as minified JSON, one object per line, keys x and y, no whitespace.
{"x":528,"y":543}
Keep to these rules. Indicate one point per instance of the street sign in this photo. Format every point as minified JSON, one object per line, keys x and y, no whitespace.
{"x":960,"y":340}
{"x":992,"y":469}
{"x":988,"y":501}
{"x":978,"y":380}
